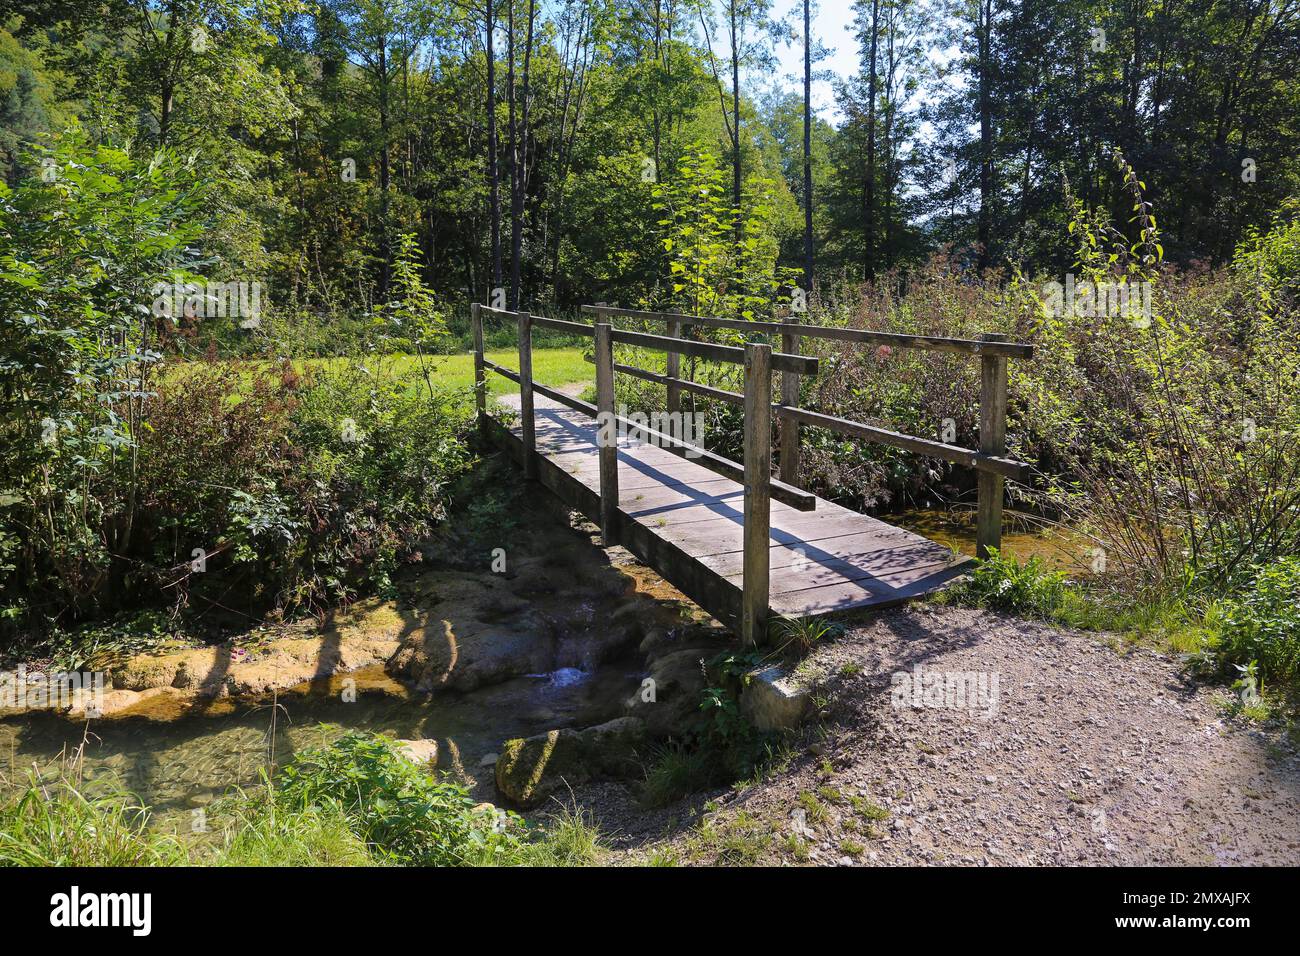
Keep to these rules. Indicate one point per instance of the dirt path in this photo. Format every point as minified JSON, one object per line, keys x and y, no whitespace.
{"x":1089,"y":756}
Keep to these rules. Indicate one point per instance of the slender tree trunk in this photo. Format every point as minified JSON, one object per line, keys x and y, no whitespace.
{"x":807,"y":153}
{"x":385,"y":177}
{"x":494,"y":171}
{"x":984,"y":225}
{"x":512,"y":150}
{"x":869,"y":196}
{"x":517,"y":195}
{"x":735,"y":119}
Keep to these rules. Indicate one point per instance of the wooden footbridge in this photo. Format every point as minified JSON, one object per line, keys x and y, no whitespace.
{"x":742,"y":544}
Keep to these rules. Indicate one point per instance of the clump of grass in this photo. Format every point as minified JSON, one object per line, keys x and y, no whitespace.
{"x":830,"y":795}
{"x":814,"y":808}
{"x":869,"y":811}
{"x":803,"y":634}
{"x":55,"y":824}
{"x":797,"y":847}
{"x":568,"y":837}
{"x":676,"y":771}
{"x":260,"y":834}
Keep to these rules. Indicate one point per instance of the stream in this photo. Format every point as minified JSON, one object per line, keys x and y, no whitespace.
{"x":174,"y":764}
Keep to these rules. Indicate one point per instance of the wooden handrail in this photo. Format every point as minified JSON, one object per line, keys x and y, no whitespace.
{"x":958,"y":455}
{"x":993,"y":350}
{"x":938,"y":343}
{"x":787,"y":494}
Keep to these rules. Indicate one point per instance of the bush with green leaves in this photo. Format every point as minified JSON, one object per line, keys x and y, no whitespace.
{"x":403,"y":813}
{"x":81,"y":248}
{"x":1262,"y":624}
{"x":1004,"y":584}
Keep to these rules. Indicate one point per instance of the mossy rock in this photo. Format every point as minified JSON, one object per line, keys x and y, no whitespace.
{"x":529,"y":770}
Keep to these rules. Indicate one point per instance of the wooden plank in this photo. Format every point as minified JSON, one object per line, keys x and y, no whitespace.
{"x":757,"y":503}
{"x":527,"y":424}
{"x":789,"y":427}
{"x":985,"y":462}
{"x":673,"y":366}
{"x":937,"y":343}
{"x":884,"y":548}
{"x":690,"y":526}
{"x":560,"y":325}
{"x":993,"y":442}
{"x":792,"y":497}
{"x":609,"y":444}
{"x":851,"y":595}
{"x":480,"y":378}
{"x":883,"y":581}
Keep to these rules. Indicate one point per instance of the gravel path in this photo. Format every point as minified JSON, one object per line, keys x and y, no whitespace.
{"x":1090,"y":756}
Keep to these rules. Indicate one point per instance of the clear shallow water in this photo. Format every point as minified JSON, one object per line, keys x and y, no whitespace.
{"x":175,"y":764}
{"x":1022,"y":537}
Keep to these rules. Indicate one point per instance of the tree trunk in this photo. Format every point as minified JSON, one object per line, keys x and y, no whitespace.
{"x":385,"y":266}
{"x":513,"y":151}
{"x":521,"y":171}
{"x":984,"y":227}
{"x":807,"y":154}
{"x":869,"y":197}
{"x":735,"y":120}
{"x":494,"y":172}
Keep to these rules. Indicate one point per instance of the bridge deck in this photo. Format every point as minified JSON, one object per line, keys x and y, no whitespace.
{"x":686,"y":522}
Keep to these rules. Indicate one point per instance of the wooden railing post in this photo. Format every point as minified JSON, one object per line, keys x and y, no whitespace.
{"x":606,"y":433}
{"x":758,"y":503}
{"x":527,"y":425}
{"x":480,"y":373}
{"x":673,"y":368}
{"x":993,"y":441}
{"x":788,"y":426}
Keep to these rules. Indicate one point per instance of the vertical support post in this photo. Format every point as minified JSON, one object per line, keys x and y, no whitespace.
{"x":527,"y":425}
{"x":606,"y":433}
{"x":993,"y":441}
{"x":480,"y":373}
{"x":789,"y":427}
{"x":758,"y":504}
{"x":673,"y":369}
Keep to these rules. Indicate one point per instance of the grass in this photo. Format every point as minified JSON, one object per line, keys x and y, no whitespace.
{"x":55,"y":824}
{"x":393,"y":814}
{"x":555,"y":367}
{"x":739,"y":841}
{"x":262,"y":835}
{"x":675,"y":772}
{"x":569,"y":837}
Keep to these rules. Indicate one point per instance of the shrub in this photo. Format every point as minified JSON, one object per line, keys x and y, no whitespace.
{"x":1005,"y":584}
{"x":407,"y":816}
{"x":1262,"y":624}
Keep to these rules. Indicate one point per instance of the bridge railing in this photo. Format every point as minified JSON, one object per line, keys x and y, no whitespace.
{"x":755,"y":472}
{"x":993,"y":350}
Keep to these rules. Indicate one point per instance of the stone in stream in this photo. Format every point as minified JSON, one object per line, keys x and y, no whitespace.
{"x":529,"y":770}
{"x":421,"y":752}
{"x":678,"y":682}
